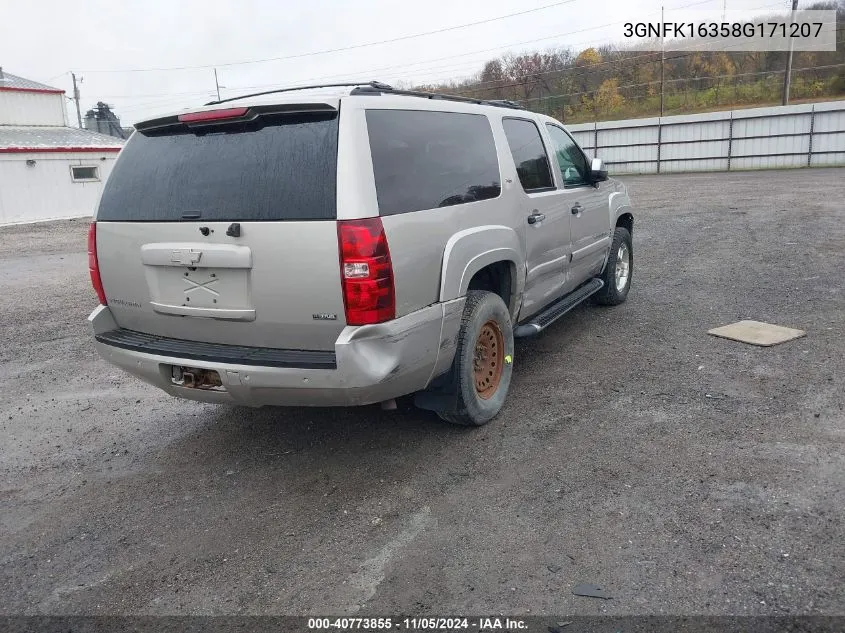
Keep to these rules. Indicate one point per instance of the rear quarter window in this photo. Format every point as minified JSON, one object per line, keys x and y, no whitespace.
{"x":425,"y":160}
{"x":279,"y":167}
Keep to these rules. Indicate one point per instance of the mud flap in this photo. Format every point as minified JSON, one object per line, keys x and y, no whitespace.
{"x":441,"y":395}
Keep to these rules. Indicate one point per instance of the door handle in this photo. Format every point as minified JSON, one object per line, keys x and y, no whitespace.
{"x":577,"y":208}
{"x":535,"y":217}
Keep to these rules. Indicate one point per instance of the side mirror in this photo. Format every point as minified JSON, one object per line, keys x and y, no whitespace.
{"x":597,"y":171}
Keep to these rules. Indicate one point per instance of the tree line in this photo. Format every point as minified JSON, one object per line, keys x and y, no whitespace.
{"x":612,"y":82}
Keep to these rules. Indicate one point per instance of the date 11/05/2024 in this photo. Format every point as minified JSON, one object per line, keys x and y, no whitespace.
{"x":481,"y":625}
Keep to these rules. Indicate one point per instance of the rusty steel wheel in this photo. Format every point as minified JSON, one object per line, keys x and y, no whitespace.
{"x":474,"y":390}
{"x":488,"y":359}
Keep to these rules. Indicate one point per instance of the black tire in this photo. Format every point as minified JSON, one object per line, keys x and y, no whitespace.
{"x":473,"y":409}
{"x":610,"y":295}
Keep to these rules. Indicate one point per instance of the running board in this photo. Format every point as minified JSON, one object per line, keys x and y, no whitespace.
{"x":540,"y":322}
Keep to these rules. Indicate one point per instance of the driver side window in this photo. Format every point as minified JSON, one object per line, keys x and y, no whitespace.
{"x":570,"y":159}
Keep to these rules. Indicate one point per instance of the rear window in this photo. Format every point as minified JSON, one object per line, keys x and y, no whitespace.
{"x":281,"y":167}
{"x":424,"y":160}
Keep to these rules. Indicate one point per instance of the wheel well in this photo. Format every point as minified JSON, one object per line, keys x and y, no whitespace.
{"x":497,"y":278}
{"x":626,"y":220}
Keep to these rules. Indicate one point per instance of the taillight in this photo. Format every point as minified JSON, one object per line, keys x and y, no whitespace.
{"x":93,"y":264}
{"x":366,"y":272}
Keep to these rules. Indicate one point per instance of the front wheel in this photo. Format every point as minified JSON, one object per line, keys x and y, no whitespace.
{"x":619,"y":270}
{"x":483,"y":361}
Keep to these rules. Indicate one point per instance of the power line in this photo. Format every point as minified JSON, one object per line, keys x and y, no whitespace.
{"x":163,"y":94}
{"x":162,"y":103}
{"x":647,"y":96}
{"x":532,"y":41}
{"x":426,"y":61}
{"x":475,"y":86}
{"x":505,"y":46}
{"x":623,"y":87}
{"x":344,"y":48}
{"x":676,"y":94}
{"x":657,"y":81}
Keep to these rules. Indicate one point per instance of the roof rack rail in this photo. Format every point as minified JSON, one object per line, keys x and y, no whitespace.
{"x":506,"y":103}
{"x":500,"y":103}
{"x":377,"y":85}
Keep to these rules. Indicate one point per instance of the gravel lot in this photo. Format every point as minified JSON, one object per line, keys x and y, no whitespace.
{"x":687,"y":474}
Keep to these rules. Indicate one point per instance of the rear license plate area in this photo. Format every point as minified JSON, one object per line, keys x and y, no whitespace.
{"x":196,"y":378}
{"x":209,"y":288}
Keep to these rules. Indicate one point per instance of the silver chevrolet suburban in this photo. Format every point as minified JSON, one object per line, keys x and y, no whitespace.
{"x":348,"y":245}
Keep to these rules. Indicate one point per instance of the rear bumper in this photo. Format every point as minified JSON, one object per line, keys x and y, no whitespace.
{"x":373,"y":363}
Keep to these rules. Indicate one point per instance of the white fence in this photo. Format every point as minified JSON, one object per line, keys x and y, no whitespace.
{"x":803,"y":135}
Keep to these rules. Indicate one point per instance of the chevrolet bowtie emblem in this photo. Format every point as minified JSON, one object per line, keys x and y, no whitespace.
{"x":185,"y":256}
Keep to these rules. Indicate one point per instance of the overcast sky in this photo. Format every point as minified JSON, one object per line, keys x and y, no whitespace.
{"x":46,"y":39}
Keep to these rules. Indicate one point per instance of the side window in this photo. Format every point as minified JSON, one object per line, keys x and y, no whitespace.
{"x":570,"y":160}
{"x":425,"y":160}
{"x":83,"y":174}
{"x":529,"y":154}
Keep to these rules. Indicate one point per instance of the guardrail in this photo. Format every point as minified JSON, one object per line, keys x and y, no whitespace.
{"x":802,"y":135}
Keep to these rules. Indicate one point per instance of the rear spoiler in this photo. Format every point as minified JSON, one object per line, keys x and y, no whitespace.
{"x":208,"y":117}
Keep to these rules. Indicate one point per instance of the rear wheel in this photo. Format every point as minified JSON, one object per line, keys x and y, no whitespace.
{"x":483,"y":361}
{"x":620,"y":267}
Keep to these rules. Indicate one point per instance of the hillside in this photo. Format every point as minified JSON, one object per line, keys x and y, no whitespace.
{"x":609,"y":82}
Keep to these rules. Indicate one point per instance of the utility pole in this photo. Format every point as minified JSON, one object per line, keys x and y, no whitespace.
{"x":76,"y":98}
{"x":788,"y":75}
{"x":217,"y":84}
{"x":662,"y":61}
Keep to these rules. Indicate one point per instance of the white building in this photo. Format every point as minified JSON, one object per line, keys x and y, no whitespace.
{"x":48,"y":170}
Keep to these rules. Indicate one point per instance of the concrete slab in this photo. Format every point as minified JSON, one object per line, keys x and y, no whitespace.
{"x":757,"y":333}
